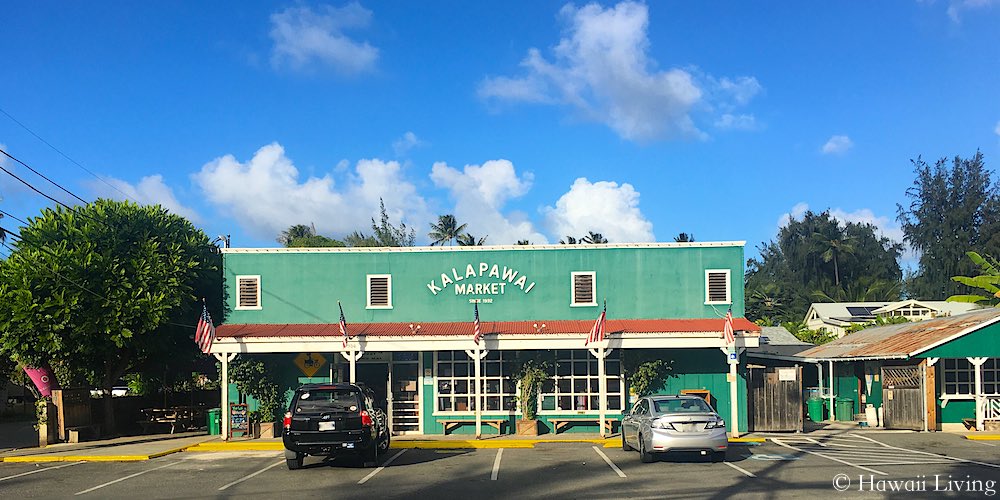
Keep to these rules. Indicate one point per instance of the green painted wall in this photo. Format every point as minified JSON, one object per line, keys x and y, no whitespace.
{"x":706,"y":369}
{"x":956,"y":409}
{"x":982,"y":342}
{"x":656,"y":282}
{"x":846,"y":382}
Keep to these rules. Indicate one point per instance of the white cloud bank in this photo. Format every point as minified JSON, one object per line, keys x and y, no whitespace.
{"x":838,"y":144}
{"x":265,"y":195}
{"x":603,"y":207}
{"x":602,"y":70}
{"x":404,"y":144}
{"x":957,"y":7}
{"x":150,"y":190}
{"x":480,"y":193}
{"x":304,"y":38}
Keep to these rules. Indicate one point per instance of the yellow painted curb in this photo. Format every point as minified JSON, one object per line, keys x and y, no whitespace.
{"x":984,"y":437}
{"x":88,"y":458}
{"x":747,"y":440}
{"x":239,"y":446}
{"x":449,"y":445}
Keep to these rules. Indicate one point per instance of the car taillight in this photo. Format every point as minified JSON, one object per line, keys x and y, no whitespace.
{"x":366,"y":419}
{"x":287,"y":421}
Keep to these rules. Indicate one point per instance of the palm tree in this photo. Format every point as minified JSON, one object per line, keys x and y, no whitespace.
{"x":684,"y":238}
{"x":468,"y":240}
{"x":523,"y":242}
{"x":446,"y":229}
{"x":594,"y":238}
{"x":831,"y":248}
{"x":296,"y":231}
{"x":569,"y":241}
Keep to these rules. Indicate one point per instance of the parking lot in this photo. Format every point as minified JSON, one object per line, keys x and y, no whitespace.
{"x":789,"y":466}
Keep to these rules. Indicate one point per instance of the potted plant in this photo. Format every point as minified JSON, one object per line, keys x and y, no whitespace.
{"x":530,"y":376}
{"x":255,"y":378}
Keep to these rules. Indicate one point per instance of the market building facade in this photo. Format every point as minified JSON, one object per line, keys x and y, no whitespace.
{"x":409,"y":313}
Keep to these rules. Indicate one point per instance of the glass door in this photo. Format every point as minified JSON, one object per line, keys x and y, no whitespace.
{"x":404,"y":406}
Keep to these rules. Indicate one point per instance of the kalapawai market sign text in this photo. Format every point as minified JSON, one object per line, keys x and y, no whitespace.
{"x":498,"y":280}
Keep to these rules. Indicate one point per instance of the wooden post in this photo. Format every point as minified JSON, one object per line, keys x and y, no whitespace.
{"x":930,"y":391}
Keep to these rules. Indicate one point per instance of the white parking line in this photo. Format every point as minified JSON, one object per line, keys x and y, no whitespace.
{"x":130,"y":476}
{"x":741,"y":469}
{"x":36,"y":471}
{"x":945,"y":457}
{"x":376,"y":471}
{"x":496,"y":465}
{"x":780,"y":443}
{"x":608,"y":460}
{"x":244,"y":478}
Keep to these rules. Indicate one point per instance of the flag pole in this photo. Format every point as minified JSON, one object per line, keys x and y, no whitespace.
{"x":602,"y":382}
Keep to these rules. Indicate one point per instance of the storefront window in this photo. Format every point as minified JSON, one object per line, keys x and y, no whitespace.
{"x":574,"y":383}
{"x":959,"y":377}
{"x":456,"y":382}
{"x":991,"y":377}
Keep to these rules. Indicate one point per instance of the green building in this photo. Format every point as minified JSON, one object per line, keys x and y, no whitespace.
{"x":409,"y":313}
{"x":936,"y":374}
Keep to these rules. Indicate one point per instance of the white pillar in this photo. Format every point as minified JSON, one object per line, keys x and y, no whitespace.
{"x":833,"y":413}
{"x":978,"y":363}
{"x":353,"y":360}
{"x":479,"y":393}
{"x":819,"y":368}
{"x":224,"y":388}
{"x":602,"y":386}
{"x":734,"y":403}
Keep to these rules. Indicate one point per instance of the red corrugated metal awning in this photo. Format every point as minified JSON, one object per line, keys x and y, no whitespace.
{"x":454,"y":328}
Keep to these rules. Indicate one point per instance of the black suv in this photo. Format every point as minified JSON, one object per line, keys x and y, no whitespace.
{"x":332,"y":420}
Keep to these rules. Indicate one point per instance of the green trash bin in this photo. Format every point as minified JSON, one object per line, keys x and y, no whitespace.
{"x":844,"y":409}
{"x":815,"y":408}
{"x":213,"y":420}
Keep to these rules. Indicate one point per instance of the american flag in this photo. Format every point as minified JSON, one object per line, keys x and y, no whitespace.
{"x":597,"y":332}
{"x":204,"y":333}
{"x":343,"y":323}
{"x":475,"y":325}
{"x":727,"y":329}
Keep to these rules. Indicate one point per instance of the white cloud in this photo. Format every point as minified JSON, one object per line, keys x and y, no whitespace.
{"x":303,"y":37}
{"x":837,"y":144}
{"x":796,"y":212}
{"x":602,"y":70}
{"x":736,"y":122}
{"x":481,"y":192}
{"x":603,"y":207}
{"x":957,"y":7}
{"x":404,"y":144}
{"x":265,"y":195}
{"x":997,"y":129}
{"x":150,"y":190}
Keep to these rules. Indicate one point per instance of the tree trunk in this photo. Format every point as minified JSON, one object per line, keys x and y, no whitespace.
{"x":108,"y":426}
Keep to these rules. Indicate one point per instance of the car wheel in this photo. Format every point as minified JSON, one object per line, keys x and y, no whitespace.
{"x":625,"y":445}
{"x":644,"y":455}
{"x":384,"y":444}
{"x":719,"y":456}
{"x":294,"y":460}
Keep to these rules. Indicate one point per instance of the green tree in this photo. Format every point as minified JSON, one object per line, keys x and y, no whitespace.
{"x":988,"y":281}
{"x":523,"y":242}
{"x":684,"y":238}
{"x":954,"y":208}
{"x":295,"y":232}
{"x":315,"y":241}
{"x":105,"y":287}
{"x":447,"y":230}
{"x":468,"y":240}
{"x":793,"y":271}
{"x":569,"y":241}
{"x":359,"y":239}
{"x":593,"y":238}
{"x":389,"y":235}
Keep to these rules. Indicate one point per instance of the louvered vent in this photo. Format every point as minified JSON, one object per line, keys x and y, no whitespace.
{"x":378,"y":291}
{"x":249,"y":292}
{"x":583,"y":288}
{"x":718,"y":287}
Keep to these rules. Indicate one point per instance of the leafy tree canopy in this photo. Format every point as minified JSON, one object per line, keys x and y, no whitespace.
{"x":817,"y":258}
{"x":446,"y":230}
{"x":954,"y":208}
{"x":98,"y":289}
{"x":390,"y":235}
{"x":468,"y":240}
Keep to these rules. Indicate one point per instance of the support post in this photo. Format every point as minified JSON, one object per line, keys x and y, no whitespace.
{"x":734,"y":403}
{"x":602,"y":385}
{"x":224,"y":388}
{"x":352,"y":358}
{"x":478,"y":356}
{"x":980,"y":417}
{"x":819,"y":371}
{"x":833,"y":413}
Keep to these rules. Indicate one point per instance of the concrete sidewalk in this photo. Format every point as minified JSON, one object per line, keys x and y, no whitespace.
{"x":123,"y":449}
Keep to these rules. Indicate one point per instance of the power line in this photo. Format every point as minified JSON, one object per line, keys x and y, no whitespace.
{"x":33,"y":188}
{"x":54,"y":183}
{"x":64,"y":155}
{"x":8,"y":214}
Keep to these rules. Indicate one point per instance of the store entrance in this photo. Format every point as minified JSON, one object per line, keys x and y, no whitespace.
{"x":376,"y":377}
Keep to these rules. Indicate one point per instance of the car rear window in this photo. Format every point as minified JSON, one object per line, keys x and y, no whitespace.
{"x":681,"y":406}
{"x":327,"y":400}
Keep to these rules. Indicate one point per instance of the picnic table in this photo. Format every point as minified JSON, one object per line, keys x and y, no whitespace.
{"x":177,"y":417}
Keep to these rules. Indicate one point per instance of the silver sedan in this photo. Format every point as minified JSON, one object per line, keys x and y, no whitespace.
{"x":658,"y":424}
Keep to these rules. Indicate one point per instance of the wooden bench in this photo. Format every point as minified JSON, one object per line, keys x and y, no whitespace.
{"x":450,"y":424}
{"x":182,"y":418}
{"x":561,"y":423}
{"x":82,"y":433}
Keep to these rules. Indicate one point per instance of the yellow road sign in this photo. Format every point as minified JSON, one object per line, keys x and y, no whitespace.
{"x":310,"y":362}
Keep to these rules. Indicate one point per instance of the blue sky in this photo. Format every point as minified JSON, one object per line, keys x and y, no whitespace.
{"x":527,"y":120}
